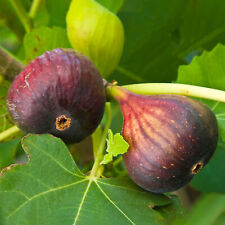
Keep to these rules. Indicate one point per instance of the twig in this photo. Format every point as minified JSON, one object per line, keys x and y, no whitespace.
{"x":9,"y":65}
{"x":22,"y":14}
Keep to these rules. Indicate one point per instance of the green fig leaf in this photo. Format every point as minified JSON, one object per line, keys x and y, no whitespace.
{"x":207,"y":70}
{"x":50,"y":189}
{"x":206,"y":211}
{"x":173,"y":213}
{"x":161,"y":35}
{"x":41,"y":17}
{"x":44,"y":39}
{"x":113,"y":5}
{"x":116,"y":145}
{"x":119,"y":145}
{"x":107,"y":158}
{"x":211,"y":177}
{"x":57,"y":12}
{"x":7,"y":152}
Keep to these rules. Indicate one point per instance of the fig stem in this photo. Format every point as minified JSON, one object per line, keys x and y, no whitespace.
{"x":96,"y":139}
{"x":97,"y":167}
{"x":34,"y":8}
{"x":9,"y":132}
{"x":170,"y":88}
{"x":22,"y":14}
{"x":178,"y":89}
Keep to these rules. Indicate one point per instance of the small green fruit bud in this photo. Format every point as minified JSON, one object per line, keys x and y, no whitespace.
{"x":97,"y":33}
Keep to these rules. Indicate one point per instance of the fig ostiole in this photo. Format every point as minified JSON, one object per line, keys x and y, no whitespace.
{"x":60,"y":92}
{"x":171,"y":138}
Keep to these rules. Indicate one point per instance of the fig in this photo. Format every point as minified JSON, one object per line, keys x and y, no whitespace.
{"x":60,"y":92}
{"x":171,"y":138}
{"x":96,"y":32}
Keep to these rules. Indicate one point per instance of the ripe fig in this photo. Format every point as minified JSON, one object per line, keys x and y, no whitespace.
{"x":171,"y":138}
{"x":59,"y":92}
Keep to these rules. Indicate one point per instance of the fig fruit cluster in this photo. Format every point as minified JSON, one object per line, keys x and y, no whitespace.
{"x":60,"y":92}
{"x":171,"y":138}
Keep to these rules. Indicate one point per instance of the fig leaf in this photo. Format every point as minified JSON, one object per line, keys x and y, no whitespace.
{"x":116,"y":145}
{"x":50,"y":189}
{"x":44,"y":39}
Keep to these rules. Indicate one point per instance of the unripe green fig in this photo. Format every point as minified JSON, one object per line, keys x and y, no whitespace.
{"x":59,"y":92}
{"x":97,"y":33}
{"x":171,"y":138}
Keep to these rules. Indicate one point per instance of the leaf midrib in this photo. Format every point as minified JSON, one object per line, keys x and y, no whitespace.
{"x":105,"y":195}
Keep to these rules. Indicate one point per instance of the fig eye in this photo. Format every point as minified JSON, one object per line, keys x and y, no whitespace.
{"x":62,"y":122}
{"x":197,"y":167}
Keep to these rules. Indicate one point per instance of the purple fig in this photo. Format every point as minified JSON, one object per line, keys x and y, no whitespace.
{"x":59,"y":92}
{"x":171,"y":138}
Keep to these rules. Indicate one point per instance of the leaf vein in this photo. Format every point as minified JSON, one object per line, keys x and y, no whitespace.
{"x":114,"y":204}
{"x":215,"y":106}
{"x":19,"y":192}
{"x":57,"y":162}
{"x":36,"y":179}
{"x":43,"y":193}
{"x":117,"y":186}
{"x":82,"y":201}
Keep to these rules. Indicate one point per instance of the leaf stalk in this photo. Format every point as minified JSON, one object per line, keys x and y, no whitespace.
{"x":97,"y":168}
{"x":9,"y":132}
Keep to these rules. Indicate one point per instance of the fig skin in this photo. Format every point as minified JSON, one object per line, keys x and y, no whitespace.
{"x":171,"y":138}
{"x":96,"y":32}
{"x":59,"y":92}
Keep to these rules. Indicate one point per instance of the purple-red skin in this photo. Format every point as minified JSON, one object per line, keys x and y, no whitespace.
{"x":169,"y":135}
{"x":59,"y":82}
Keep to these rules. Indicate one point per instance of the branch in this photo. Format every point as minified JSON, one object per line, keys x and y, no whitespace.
{"x":9,"y":65}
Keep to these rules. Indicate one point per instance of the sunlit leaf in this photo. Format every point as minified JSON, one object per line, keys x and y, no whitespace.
{"x":116,"y":145}
{"x":44,"y":39}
